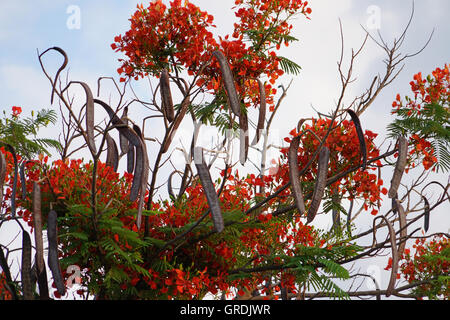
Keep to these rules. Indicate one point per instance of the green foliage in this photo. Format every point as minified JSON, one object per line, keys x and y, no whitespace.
{"x":439,"y":286}
{"x":17,"y":131}
{"x":111,"y":254}
{"x":211,"y":114}
{"x":289,"y":66}
{"x":430,"y":123}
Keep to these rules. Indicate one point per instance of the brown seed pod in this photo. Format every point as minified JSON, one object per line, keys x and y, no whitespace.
{"x":228,"y":81}
{"x":319,"y":188}
{"x":185,"y":180}
{"x":294,"y":176}
{"x":89,"y":116}
{"x":169,"y":185}
{"x":262,"y":112}
{"x":9,"y":285}
{"x":244,"y":143}
{"x":42,"y":283}
{"x":37,"y":218}
{"x":141,"y":168}
{"x":395,"y":256}
{"x":300,"y":124}
{"x":403,"y":229}
{"x":210,"y":191}
{"x":349,"y":217}
{"x":22,"y":177}
{"x":22,"y":180}
{"x":426,"y":223}
{"x":173,"y":129}
{"x":166,"y":96}
{"x":112,"y":153}
{"x":63,"y":66}
{"x":53,"y":261}
{"x":26,"y":267}
{"x":138,"y":171}
{"x":2,"y":174}
{"x":399,"y":167}
{"x":130,"y":159}
{"x":129,"y":134}
{"x":362,"y":140}
{"x":124,"y":144}
{"x":336,"y":214}
{"x":284,"y":293}
{"x":134,"y":140}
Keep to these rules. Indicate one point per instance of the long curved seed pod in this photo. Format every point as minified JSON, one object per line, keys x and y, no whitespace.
{"x":22,"y":180}
{"x":141,"y":168}
{"x":262,"y":112}
{"x":22,"y":177}
{"x":5,"y":268}
{"x":173,"y":129}
{"x":42,"y":282}
{"x":63,"y":66}
{"x":184,"y":108}
{"x":112,"y":154}
{"x":300,"y":124}
{"x":2,"y":174}
{"x":26,"y":267}
{"x":319,"y":187}
{"x":166,"y":96}
{"x":16,"y":174}
{"x":362,"y":140}
{"x":393,"y":277}
{"x":53,"y":261}
{"x":169,"y":185}
{"x":294,"y":176}
{"x":228,"y":81}
{"x":284,"y":293}
{"x":129,"y":134}
{"x":135,"y":140}
{"x":210,"y":191}
{"x":130,"y":159}
{"x":399,"y":167}
{"x":403,"y":231}
{"x":336,"y":212}
{"x":138,"y":171}
{"x":33,"y":275}
{"x":197,"y":126}
{"x":349,"y":217}
{"x":124,"y":144}
{"x":243,"y":137}
{"x":37,"y":218}
{"x":394,"y":204}
{"x":89,"y":116}
{"x":185,"y":180}
{"x":426,"y":223}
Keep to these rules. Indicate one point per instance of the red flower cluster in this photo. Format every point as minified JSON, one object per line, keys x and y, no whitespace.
{"x":4,"y":293}
{"x":430,"y":259}
{"x":159,"y":37}
{"x":16,"y":111}
{"x":344,"y":155}
{"x":433,"y":90}
{"x":179,"y":36}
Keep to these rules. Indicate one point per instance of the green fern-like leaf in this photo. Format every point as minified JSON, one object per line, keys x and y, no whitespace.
{"x":289,"y":66}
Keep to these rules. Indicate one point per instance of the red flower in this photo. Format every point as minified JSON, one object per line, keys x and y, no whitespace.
{"x":16,"y":111}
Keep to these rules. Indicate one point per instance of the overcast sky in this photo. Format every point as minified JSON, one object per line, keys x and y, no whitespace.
{"x":30,"y":25}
